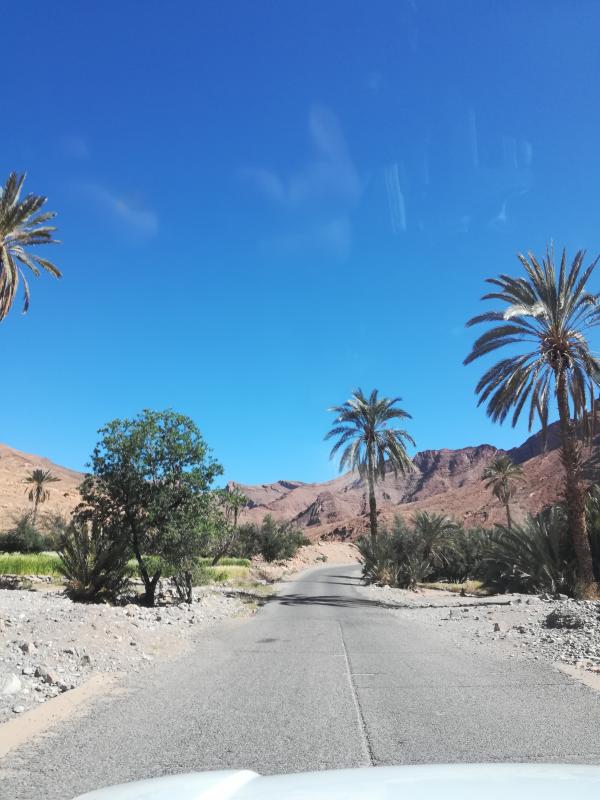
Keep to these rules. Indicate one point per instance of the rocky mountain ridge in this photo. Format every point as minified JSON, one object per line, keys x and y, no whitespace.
{"x":444,"y":481}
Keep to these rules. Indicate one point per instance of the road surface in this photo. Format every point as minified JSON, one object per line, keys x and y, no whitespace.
{"x":322,"y":677}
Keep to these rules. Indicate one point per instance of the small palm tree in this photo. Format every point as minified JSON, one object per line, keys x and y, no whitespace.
{"x":233,"y":501}
{"x":548,"y":314}
{"x":38,"y":492}
{"x":503,"y":477}
{"x":369,"y":445}
{"x":21,"y":226}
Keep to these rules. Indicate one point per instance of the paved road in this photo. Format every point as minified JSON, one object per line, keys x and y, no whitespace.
{"x":322,"y":677}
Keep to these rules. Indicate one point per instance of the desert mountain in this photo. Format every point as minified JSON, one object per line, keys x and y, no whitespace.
{"x":444,"y":481}
{"x":15,"y":466}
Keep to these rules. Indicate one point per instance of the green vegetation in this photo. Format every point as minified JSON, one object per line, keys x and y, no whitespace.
{"x":23,"y":537}
{"x":22,"y":225}
{"x":49,"y":564}
{"x":38,"y":491}
{"x":149,"y":484}
{"x":30,"y":564}
{"x":369,"y":445}
{"x":274,"y":541}
{"x":552,"y":311}
{"x":503,"y":477}
{"x":535,"y":556}
{"x":94,"y":562}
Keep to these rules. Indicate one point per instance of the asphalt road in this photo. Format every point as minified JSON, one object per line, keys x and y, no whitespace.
{"x":320,"y":678}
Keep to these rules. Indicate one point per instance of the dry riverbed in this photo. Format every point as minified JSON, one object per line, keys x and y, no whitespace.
{"x":50,"y":645}
{"x":562,"y":631}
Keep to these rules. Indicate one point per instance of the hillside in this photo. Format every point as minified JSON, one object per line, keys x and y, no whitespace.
{"x":15,"y":466}
{"x":444,"y":481}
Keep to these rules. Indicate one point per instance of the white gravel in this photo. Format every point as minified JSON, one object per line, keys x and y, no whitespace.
{"x":49,"y":645}
{"x":538,"y":627}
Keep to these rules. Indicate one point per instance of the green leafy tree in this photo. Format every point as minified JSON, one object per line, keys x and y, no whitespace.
{"x":502,"y":476}
{"x":22,"y":225}
{"x":544,"y":318}
{"x":149,"y":479}
{"x":369,"y":445}
{"x":38,"y":492}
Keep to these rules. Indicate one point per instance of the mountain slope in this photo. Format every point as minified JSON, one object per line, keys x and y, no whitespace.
{"x":15,"y":466}
{"x":444,"y":481}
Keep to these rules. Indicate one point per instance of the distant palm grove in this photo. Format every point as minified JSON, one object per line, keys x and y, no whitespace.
{"x":150,"y":495}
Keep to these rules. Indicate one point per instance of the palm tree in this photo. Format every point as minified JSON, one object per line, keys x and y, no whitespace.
{"x":38,"y":480}
{"x":503,"y":477}
{"x":233,"y":501}
{"x":369,"y":445}
{"x":21,"y":226}
{"x":548,"y":314}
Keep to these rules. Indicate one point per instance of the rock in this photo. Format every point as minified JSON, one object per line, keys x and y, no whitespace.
{"x":85,"y":660}
{"x":28,"y":671}
{"x":27,"y":647}
{"x":70,"y":651}
{"x":18,"y":709}
{"x":562,"y":597}
{"x":46,"y":676}
{"x":10,"y":684}
{"x":563,"y":619}
{"x":496,"y":627}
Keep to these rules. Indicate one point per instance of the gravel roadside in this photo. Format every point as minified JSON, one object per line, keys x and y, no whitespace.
{"x":50,"y":645}
{"x":558,"y":630}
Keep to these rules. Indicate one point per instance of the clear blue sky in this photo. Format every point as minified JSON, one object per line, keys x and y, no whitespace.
{"x":263,"y":205}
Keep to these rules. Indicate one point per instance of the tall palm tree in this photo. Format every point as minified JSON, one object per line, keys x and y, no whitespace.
{"x":502,"y":476}
{"x":369,"y":445}
{"x":547,"y":315}
{"x":22,"y":226}
{"x":38,"y":492}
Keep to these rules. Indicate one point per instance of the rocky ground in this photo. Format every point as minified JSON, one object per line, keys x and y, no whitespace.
{"x":49,"y":645}
{"x":559,"y":630}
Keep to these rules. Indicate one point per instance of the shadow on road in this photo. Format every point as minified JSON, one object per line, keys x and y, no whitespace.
{"x":328,"y":600}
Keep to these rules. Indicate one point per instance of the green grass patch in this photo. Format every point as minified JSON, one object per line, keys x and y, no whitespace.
{"x":47,"y":564}
{"x":29,"y":564}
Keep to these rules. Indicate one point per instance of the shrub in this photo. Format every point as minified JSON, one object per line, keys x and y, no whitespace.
{"x":532,"y":557}
{"x":274,"y":541}
{"x":278,"y":542}
{"x":23,"y":538}
{"x":94,"y":562}
{"x":247,"y":544}
{"x":409,"y":554}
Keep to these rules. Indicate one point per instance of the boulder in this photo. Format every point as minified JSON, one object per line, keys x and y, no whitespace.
{"x":9,"y":684}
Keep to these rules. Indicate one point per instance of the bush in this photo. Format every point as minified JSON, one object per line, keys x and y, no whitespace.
{"x":23,"y":538}
{"x":278,"y":542}
{"x":274,"y":541}
{"x":94,"y":563}
{"x":536,"y":556}
{"x":409,"y":554}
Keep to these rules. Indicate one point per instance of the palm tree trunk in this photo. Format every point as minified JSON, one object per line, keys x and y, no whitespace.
{"x":372,"y":501}
{"x":508,"y":516}
{"x":575,"y":494}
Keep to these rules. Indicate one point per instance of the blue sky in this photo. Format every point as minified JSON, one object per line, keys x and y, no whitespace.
{"x":263,"y":205}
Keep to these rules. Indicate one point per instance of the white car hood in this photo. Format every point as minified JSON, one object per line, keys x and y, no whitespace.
{"x":431,"y":782}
